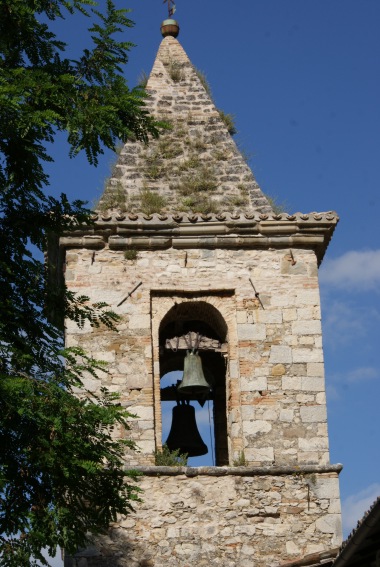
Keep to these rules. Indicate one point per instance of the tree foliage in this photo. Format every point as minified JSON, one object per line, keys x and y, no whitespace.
{"x":61,"y":471}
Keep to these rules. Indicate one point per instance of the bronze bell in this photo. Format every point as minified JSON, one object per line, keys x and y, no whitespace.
{"x":193,"y":381}
{"x":184,"y":434}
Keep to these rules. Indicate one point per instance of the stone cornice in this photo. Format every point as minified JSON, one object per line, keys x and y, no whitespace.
{"x":227,"y":230}
{"x":184,"y":218}
{"x":238,"y":471}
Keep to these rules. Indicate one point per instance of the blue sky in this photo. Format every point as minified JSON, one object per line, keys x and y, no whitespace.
{"x":302,"y":79}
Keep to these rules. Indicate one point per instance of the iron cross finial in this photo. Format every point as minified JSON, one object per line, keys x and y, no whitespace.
{"x":171,"y":7}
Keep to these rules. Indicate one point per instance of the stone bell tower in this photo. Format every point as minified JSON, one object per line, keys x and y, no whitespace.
{"x":188,"y":251}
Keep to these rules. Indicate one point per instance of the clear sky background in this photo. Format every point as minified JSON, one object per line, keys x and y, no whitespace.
{"x":302,"y":79}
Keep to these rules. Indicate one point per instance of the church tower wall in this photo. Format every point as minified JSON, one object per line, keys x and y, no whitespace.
{"x":284,"y":501}
{"x":275,"y":372}
{"x":177,"y":257}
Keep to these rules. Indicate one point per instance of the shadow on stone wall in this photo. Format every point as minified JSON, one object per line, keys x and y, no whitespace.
{"x":116,"y":549}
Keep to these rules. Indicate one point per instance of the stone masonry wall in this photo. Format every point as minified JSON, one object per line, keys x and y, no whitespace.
{"x":284,"y":503}
{"x":275,"y":378}
{"x":195,"y":165}
{"x":229,"y":521}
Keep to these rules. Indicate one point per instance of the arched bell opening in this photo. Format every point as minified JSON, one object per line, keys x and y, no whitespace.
{"x":195,"y":328}
{"x":203,"y":420}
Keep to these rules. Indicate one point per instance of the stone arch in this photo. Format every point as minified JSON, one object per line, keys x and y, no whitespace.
{"x":200,"y":316}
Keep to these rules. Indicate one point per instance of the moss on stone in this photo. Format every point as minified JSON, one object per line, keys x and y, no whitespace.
{"x":151,"y":202}
{"x":114,"y":197}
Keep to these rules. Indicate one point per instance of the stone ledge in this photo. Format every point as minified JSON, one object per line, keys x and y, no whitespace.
{"x":150,"y":232}
{"x":251,"y":217}
{"x":237,"y":471}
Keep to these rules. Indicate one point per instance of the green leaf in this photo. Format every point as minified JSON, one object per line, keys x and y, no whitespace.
{"x":61,"y":473}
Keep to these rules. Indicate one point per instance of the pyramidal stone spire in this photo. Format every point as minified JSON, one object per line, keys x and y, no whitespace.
{"x":195,"y":165}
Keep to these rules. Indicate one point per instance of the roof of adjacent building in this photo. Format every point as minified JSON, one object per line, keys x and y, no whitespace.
{"x":362,"y":547}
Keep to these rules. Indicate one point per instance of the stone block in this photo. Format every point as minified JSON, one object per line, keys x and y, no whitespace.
{"x":306,"y":313}
{"x":73,"y":328}
{"x":245,"y":529}
{"x":315,"y":369}
{"x":313,"y":444}
{"x":95,"y":268}
{"x":326,"y":487}
{"x":280,"y":354}
{"x":334,"y":507}
{"x":143,"y":412}
{"x":278,"y":370}
{"x":254,"y":384}
{"x":308,"y":297}
{"x":119,"y":380}
{"x":146,"y":446}
{"x":137,"y":380}
{"x":307,"y":457}
{"x":292,"y":548}
{"x":248,"y":550}
{"x":269,"y":414}
{"x":241,"y":317}
{"x":311,"y":384}
{"x":306,"y":340}
{"x":251,"y":331}
{"x":259,"y":454}
{"x":286,"y":415}
{"x":320,"y":398}
{"x":106,"y":356}
{"x":294,"y":432}
{"x":256,"y":427}
{"x":248,"y":412}
{"x":139,"y":321}
{"x":313,"y":414}
{"x":329,"y":524}
{"x":297,"y":370}
{"x":267,"y":316}
{"x":235,"y":430}
{"x":234,"y":369}
{"x":307,"y":355}
{"x":280,"y":300}
{"x":91,"y":384}
{"x":291,"y":383}
{"x":289,"y":315}
{"x":311,"y":327}
{"x":124,"y":368}
{"x":305,"y":399}
{"x":148,"y":427}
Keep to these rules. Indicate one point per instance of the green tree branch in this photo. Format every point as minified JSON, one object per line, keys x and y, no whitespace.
{"x":61,"y":469}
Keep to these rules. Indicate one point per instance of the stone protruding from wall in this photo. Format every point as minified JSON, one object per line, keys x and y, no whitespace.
{"x":195,"y":165}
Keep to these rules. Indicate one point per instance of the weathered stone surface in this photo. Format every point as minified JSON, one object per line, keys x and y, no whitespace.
{"x":278,"y":370}
{"x":194,"y":166}
{"x":312,"y":414}
{"x":263,"y":374}
{"x":221,"y":521}
{"x":257,"y":427}
{"x":312,"y":327}
{"x":287,"y":415}
{"x":280,"y":354}
{"x":251,"y":332}
{"x":253,"y":384}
